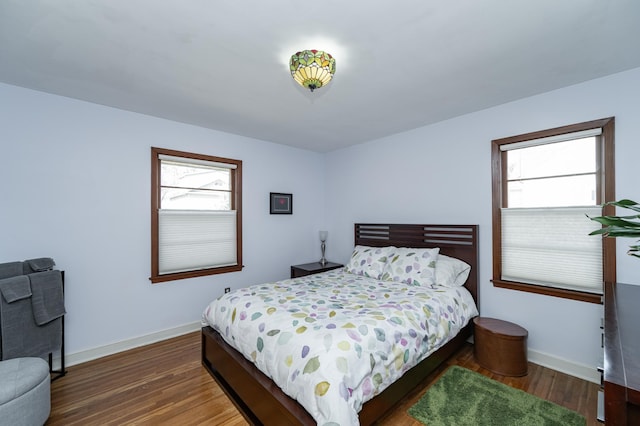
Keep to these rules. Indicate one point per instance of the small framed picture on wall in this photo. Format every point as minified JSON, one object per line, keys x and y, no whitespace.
{"x":281,"y":203}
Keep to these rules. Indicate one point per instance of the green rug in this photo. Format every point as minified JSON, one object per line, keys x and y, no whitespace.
{"x":463,"y":397}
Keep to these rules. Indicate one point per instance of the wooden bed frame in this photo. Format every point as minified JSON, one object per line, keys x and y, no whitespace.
{"x":261,"y":401}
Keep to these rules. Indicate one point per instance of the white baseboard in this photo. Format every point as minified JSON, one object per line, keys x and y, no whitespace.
{"x":585,"y":372}
{"x":91,"y":354}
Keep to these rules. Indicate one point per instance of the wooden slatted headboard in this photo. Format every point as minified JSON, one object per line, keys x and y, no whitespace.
{"x":460,"y":241}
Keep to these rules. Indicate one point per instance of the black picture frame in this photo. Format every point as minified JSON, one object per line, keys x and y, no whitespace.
{"x":280,"y":203}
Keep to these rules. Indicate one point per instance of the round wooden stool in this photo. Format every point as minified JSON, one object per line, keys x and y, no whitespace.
{"x":500,"y":346}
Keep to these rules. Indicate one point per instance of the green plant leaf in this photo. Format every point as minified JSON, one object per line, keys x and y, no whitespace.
{"x":615,"y":221}
{"x":620,"y":226}
{"x":621,"y":232}
{"x":627,"y":204}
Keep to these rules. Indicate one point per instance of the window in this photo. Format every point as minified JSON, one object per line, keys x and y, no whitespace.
{"x":544,"y":184}
{"x":196,"y":215}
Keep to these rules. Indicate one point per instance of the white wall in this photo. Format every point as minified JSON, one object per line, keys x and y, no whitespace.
{"x":442,"y":174}
{"x":75,"y":186}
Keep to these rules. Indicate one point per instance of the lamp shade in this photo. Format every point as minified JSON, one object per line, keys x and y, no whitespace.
{"x":312,"y":68}
{"x":323,"y":235}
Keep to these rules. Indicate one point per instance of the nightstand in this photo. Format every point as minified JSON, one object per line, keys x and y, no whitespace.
{"x":312,"y":268}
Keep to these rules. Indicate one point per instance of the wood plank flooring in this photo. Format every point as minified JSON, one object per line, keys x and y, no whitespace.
{"x":165,"y":384}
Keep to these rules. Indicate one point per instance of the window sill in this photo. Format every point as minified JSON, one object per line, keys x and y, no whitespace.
{"x":549,"y":291}
{"x":192,"y":274}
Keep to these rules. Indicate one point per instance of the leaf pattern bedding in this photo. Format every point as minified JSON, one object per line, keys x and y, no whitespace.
{"x":334,"y":340}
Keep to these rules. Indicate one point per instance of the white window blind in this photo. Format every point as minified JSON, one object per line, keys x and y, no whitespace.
{"x":552,"y":139}
{"x":195,"y":161}
{"x":552,"y":247}
{"x":196,"y":239}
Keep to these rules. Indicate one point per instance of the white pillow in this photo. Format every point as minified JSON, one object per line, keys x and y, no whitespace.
{"x":451,"y":272}
{"x":414,"y":266}
{"x":369,"y":261}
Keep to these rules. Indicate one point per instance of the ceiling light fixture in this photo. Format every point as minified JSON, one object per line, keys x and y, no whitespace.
{"x":312,"y":68}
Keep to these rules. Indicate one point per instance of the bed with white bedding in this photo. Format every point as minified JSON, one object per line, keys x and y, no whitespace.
{"x":333,"y":342}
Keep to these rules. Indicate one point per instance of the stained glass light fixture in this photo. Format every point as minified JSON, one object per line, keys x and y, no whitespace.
{"x":312,"y":68}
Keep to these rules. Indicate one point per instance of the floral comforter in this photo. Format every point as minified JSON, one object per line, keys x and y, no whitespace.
{"x":334,"y":340}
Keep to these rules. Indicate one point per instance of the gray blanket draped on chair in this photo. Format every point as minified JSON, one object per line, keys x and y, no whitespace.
{"x":31,"y":308}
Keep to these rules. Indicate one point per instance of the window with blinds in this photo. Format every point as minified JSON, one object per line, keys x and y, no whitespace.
{"x":196,"y":225}
{"x":545,"y":187}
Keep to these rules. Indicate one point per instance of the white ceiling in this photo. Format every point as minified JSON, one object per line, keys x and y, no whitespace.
{"x":400,"y":64}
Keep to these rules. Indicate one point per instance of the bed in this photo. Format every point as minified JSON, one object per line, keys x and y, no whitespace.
{"x":261,"y":401}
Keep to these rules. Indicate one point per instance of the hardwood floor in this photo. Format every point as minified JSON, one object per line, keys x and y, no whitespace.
{"x":165,"y":384}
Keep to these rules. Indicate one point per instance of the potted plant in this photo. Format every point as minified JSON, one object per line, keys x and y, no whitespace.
{"x":621,"y":226}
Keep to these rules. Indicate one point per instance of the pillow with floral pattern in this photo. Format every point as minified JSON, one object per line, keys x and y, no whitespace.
{"x":415,"y":266}
{"x":369,"y":261}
